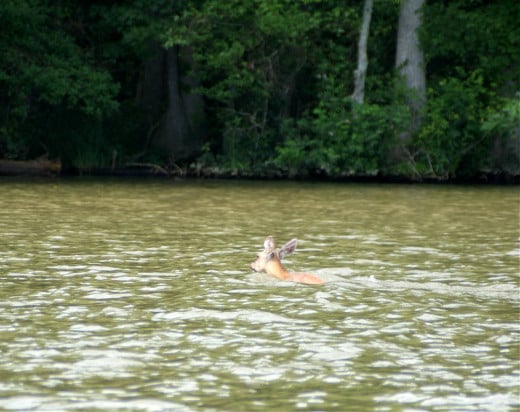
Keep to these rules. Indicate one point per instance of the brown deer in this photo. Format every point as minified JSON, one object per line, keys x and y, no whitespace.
{"x":269,"y":261}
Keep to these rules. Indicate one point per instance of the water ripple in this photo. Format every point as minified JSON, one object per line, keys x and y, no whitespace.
{"x":138,"y":297}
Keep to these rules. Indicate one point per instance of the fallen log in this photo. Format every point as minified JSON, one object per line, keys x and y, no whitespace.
{"x":152,"y":167}
{"x":38,"y":167}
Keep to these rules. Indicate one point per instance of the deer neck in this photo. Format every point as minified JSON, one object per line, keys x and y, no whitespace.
{"x":275,"y":268}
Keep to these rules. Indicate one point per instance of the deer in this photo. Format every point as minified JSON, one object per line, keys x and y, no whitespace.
{"x":269,"y":261}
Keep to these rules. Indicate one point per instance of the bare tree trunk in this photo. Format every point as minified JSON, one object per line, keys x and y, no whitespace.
{"x":409,"y":58}
{"x":360,"y":73}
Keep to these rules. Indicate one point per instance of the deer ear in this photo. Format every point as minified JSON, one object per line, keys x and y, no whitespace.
{"x":288,"y":248}
{"x":269,"y":243}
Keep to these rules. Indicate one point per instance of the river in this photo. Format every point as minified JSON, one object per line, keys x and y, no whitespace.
{"x":137,"y":295}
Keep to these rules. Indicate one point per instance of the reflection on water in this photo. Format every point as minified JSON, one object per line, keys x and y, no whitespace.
{"x":136,"y":295}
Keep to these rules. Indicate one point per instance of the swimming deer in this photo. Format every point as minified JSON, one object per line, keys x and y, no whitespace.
{"x":269,"y":261}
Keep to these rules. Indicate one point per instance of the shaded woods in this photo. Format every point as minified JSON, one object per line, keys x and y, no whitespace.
{"x":376,"y":88}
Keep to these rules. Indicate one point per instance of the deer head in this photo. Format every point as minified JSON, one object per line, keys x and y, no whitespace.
{"x":269,"y":260}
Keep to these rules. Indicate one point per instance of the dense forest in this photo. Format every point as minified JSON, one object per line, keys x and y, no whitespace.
{"x":418,"y":89}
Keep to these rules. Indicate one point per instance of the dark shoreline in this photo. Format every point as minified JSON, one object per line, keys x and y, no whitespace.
{"x":499,"y":179}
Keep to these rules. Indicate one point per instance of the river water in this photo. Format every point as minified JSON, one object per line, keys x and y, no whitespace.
{"x":137,"y":296}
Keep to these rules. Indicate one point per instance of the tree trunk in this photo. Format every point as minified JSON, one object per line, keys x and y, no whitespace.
{"x":359,"y":75}
{"x":193,"y":102}
{"x":153,"y":92}
{"x":180,"y":135}
{"x":38,"y":167}
{"x":409,"y":58}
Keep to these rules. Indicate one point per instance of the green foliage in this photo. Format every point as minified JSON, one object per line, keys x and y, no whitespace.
{"x":90,"y":154}
{"x":478,"y":34}
{"x":502,"y":127}
{"x":343,"y":140}
{"x":473,"y":60}
{"x":42,"y":63}
{"x":250,"y":56}
{"x":451,"y":128}
{"x":276,"y":76}
{"x":43,"y":67}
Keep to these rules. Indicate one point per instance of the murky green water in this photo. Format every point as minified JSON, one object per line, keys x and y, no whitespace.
{"x":137,"y":295}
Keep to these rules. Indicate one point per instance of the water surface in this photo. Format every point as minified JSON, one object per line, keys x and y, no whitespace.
{"x":137,"y":295}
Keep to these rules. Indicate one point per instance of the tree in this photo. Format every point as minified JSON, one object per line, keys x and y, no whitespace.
{"x":249,"y":55}
{"x":167,"y":95}
{"x":409,"y":59}
{"x":360,"y":73}
{"x":470,"y":126}
{"x":278,"y":82}
{"x":180,"y":133}
{"x":46,"y":72}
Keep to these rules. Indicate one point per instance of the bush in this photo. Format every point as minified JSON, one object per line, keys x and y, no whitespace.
{"x":343,"y":140}
{"x":451,"y":129}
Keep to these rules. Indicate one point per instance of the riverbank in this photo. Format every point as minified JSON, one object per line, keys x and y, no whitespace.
{"x":52,"y":168}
